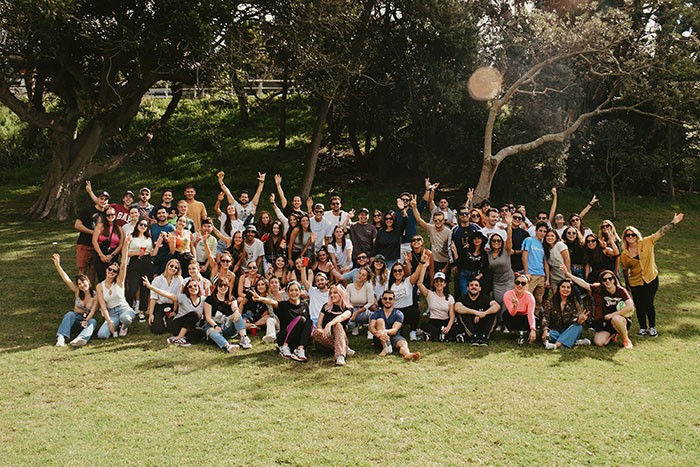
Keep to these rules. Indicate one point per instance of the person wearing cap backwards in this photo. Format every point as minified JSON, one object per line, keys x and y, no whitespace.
{"x":362,"y":235}
{"x":254,"y":248}
{"x":144,"y":205}
{"x":318,"y":294}
{"x":122,"y":210}
{"x":319,"y":225}
{"x":88,"y":217}
{"x":195,"y":209}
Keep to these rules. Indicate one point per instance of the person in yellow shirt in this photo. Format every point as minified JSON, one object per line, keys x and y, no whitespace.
{"x":641,"y":274}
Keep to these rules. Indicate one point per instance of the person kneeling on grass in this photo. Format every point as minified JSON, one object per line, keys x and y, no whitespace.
{"x":385,"y":325}
{"x":613,"y":307}
{"x":113,"y":304}
{"x":476,"y":315}
{"x":81,"y":318}
{"x":330,"y":332}
{"x":563,"y":318}
{"x":520,"y":310}
{"x":190,"y":309}
{"x":222,"y":319}
{"x":295,"y":322}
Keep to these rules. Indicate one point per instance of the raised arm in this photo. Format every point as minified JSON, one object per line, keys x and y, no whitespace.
{"x":577,"y":280}
{"x":421,"y":266}
{"x":416,"y":213}
{"x":666,"y":228}
{"x":553,"y":208}
{"x":588,"y":207}
{"x":508,"y":218}
{"x":280,"y":191}
{"x":88,"y":189}
{"x":421,"y":285}
{"x":304,"y":279}
{"x":217,"y":205}
{"x":56,"y":258}
{"x":266,"y":300}
{"x":224,"y":188}
{"x":256,"y":197}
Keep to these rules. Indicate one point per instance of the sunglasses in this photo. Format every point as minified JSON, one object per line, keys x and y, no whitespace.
{"x":376,"y":215}
{"x":416,"y":239}
{"x":361,"y":257}
{"x":463,"y":213}
{"x":397,"y":270}
{"x":111,"y":214}
{"x":112,"y":270}
{"x":225,"y":261}
{"x":592,"y":240}
{"x":143,"y":224}
{"x":517,"y":218}
{"x":335,"y":204}
{"x":405,"y":200}
{"x":520,"y":283}
{"x":173,"y":266}
{"x":630,"y":235}
{"x":605,"y":226}
{"x":388,"y":219}
{"x":318,"y":212}
{"x":608,"y":279}
{"x":387,"y":299}
{"x":252,"y":267}
{"x":221,"y":286}
{"x":496,"y":240}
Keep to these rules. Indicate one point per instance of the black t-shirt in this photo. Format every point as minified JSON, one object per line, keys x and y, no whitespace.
{"x":289,"y":210}
{"x":89,"y":216}
{"x":516,"y":259}
{"x":218,"y":305}
{"x":480,"y":304}
{"x":286,"y":311}
{"x":329,"y":316}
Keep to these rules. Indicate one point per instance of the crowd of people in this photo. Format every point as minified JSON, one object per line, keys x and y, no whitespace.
{"x":303,"y":274}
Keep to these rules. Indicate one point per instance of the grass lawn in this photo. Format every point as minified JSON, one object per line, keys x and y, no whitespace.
{"x":135,"y":400}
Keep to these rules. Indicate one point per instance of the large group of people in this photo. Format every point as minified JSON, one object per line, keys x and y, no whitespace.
{"x":315,"y":276}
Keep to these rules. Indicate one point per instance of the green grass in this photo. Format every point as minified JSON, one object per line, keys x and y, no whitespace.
{"x":138,"y":401}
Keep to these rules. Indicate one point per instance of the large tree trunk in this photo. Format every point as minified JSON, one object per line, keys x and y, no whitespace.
{"x":488,"y":172}
{"x":312,"y":160}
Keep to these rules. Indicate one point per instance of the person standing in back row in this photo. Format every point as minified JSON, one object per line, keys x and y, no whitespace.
{"x":196,"y":210}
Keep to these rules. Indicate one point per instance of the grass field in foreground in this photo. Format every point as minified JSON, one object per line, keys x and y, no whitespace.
{"x":136,"y":400}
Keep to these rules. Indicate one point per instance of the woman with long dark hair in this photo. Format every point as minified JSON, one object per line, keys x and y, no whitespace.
{"x":222,"y":319}
{"x":278,"y":269}
{"x":388,"y":241}
{"x":275,"y":245}
{"x":107,"y":241}
{"x":181,"y":244}
{"x":301,"y":241}
{"x":598,"y":257}
{"x":340,"y":250}
{"x":140,"y":252}
{"x":502,"y":274}
{"x":556,"y":255}
{"x":563,"y":318}
{"x":471,"y":260}
{"x":402,"y":287}
{"x":641,"y":273}
{"x":228,"y":223}
{"x":81,"y":319}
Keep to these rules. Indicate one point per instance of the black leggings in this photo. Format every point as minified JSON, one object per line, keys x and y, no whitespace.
{"x":432,"y":327}
{"x":643,"y":296}
{"x":296,"y":333}
{"x":411,"y":317}
{"x":138,"y":267}
{"x":516,"y":323}
{"x":161,"y":323}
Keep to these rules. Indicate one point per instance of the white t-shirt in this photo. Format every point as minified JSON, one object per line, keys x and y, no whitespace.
{"x":488,"y":231}
{"x":403,"y":293}
{"x":244,"y":212}
{"x":317,"y":300}
{"x":321,"y":229}
{"x":201,"y":252}
{"x":334,"y":220}
{"x":341,"y":256}
{"x":253,"y":252}
{"x":160,"y":282}
{"x":236,"y":225}
{"x":439,"y":307}
{"x":137,"y":243}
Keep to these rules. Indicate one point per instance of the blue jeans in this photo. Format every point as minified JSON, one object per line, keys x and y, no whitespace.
{"x":227,"y":330}
{"x":71,"y":320}
{"x":568,"y":336}
{"x":119,"y":314}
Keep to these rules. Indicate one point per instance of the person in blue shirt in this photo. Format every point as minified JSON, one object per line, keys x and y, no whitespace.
{"x":385,"y":326}
{"x":533,"y":263}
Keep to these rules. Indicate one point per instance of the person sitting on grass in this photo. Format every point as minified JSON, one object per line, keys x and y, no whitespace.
{"x":476,"y":315}
{"x":113,"y":304}
{"x":161,"y":309}
{"x":256,"y":314}
{"x":330,"y":332}
{"x":441,"y":308}
{"x":612,"y":308}
{"x":81,"y":318}
{"x":222,"y":319}
{"x":385,"y":325}
{"x":520,"y":310}
{"x":295,"y":322}
{"x":190,"y":308}
{"x":563,"y":318}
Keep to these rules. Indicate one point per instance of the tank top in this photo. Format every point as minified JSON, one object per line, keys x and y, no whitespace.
{"x":114,"y":296}
{"x":82,"y":308}
{"x":301,"y":240}
{"x":108,"y":236}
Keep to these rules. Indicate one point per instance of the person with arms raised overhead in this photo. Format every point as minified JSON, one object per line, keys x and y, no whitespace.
{"x":81,"y":319}
{"x":245,"y":207}
{"x":110,"y":295}
{"x":288,"y":208}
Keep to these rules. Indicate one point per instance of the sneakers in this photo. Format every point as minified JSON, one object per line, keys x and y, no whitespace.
{"x":355,"y":331}
{"x":350,"y":352}
{"x":484,"y":341}
{"x":653,"y":332}
{"x":142,"y":317}
{"x":521,"y":338}
{"x":582,"y":342}
{"x":123,"y":331}
{"x":60,"y":341}
{"x":172,"y":340}
{"x":426,"y":337}
{"x":340,"y":360}
{"x":269,"y":339}
{"x":459,"y":338}
{"x":369,"y":336}
{"x":643,"y":332}
{"x":550,"y":346}
{"x":285,"y":352}
{"x":230,"y":348}
{"x":412,"y":336}
{"x":627,"y":344}
{"x":182,"y":342}
{"x":299,"y":355}
{"x":78,"y":342}
{"x":245,"y":342}
{"x":475,"y":341}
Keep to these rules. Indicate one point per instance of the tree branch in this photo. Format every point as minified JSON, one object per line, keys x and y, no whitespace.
{"x":24,"y":110}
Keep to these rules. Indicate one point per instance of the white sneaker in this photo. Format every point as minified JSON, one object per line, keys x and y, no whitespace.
{"x":355,"y":331}
{"x":269,"y":338}
{"x":550,"y":346}
{"x":78,"y":342}
{"x":412,"y":336}
{"x":285,"y":352}
{"x":653,"y":332}
{"x":245,"y":342}
{"x":340,"y":360}
{"x":369,"y":336}
{"x":299,"y":355}
{"x":60,"y":341}
{"x":230,"y":348}
{"x":582,"y":342}
{"x":350,"y":352}
{"x":123,"y":331}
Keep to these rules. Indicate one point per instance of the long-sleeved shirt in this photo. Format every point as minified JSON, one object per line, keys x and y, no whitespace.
{"x":526,"y":306}
{"x":362,"y":297}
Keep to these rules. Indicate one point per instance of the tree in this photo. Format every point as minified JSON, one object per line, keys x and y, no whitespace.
{"x":87,"y":65}
{"x":581,"y":64}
